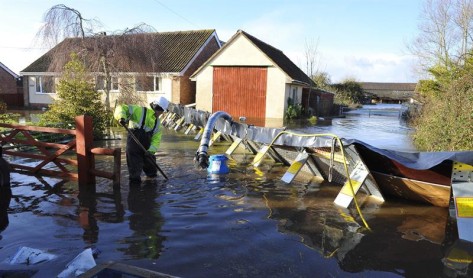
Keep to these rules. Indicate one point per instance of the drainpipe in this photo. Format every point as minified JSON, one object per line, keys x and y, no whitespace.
{"x":202,"y":156}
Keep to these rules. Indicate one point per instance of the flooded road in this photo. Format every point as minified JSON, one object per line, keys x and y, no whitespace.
{"x":247,"y":223}
{"x":379,"y":125}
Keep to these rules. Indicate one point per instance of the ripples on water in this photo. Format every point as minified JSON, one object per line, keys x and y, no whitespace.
{"x":378,"y":125}
{"x":244,"y":224}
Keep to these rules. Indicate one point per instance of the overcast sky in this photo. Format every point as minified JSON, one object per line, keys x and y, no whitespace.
{"x":362,"y":39}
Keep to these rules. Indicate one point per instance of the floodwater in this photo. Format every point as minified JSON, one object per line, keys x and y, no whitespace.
{"x":379,"y":125}
{"x":247,"y":223}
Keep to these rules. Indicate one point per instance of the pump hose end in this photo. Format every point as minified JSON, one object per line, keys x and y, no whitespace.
{"x":204,"y":161}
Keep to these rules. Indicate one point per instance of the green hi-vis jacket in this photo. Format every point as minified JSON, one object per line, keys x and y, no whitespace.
{"x":135,"y":113}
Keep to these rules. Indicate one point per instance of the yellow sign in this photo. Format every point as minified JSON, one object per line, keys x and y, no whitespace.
{"x":295,"y":167}
{"x":464,"y":206}
{"x":347,"y":190}
{"x":462,"y":166}
{"x":259,"y":156}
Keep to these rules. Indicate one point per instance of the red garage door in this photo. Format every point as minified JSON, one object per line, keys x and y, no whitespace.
{"x":240,"y":91}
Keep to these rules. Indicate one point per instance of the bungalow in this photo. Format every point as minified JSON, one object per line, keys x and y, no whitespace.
{"x":389,"y":92}
{"x":150,"y":65}
{"x":251,"y":79}
{"x":11,"y":91}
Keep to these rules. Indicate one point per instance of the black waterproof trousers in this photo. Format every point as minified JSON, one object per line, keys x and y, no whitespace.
{"x":136,"y":158}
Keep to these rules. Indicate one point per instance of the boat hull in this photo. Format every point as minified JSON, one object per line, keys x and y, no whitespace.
{"x":414,"y":190}
{"x":432,"y":186}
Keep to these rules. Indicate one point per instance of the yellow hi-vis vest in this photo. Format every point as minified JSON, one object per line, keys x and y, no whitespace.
{"x":134,"y":114}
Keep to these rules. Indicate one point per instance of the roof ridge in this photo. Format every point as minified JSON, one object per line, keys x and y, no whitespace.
{"x":373,"y":82}
{"x":187,"y":31}
{"x":279,"y":58}
{"x":144,"y":33}
{"x":253,"y":38}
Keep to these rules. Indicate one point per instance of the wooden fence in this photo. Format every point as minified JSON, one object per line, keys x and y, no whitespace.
{"x":72,"y":155}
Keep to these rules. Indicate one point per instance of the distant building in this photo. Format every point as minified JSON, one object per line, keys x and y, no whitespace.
{"x":11,"y":91}
{"x":389,"y":92}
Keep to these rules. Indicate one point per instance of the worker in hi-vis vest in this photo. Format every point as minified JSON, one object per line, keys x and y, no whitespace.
{"x":145,"y":125}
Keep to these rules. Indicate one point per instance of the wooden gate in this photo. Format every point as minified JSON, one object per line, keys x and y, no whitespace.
{"x":240,"y":91}
{"x":74,"y":147}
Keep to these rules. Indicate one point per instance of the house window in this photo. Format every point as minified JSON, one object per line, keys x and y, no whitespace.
{"x":114,"y":85}
{"x":294,"y":95}
{"x":127,"y":84}
{"x":157,"y":83}
{"x":148,"y":84}
{"x":100,"y":83}
{"x":44,"y":84}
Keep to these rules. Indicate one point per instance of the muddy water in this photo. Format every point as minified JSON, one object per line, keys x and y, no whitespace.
{"x":244,"y":224}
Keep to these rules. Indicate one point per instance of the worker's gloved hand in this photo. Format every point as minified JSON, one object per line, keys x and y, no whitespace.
{"x":122,"y":121}
{"x":152,"y":150}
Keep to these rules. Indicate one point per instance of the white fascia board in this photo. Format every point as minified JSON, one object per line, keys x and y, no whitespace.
{"x":39,"y":73}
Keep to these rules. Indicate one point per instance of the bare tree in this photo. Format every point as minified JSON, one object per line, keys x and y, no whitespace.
{"x":132,"y":50}
{"x":63,"y":22}
{"x":310,"y":53}
{"x":444,"y":33}
{"x":433,"y":43}
{"x":463,"y":10}
{"x":312,"y":57}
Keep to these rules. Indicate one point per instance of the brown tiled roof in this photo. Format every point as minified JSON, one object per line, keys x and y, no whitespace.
{"x":40,"y":65}
{"x":390,"y":90}
{"x":174,"y":50}
{"x":181,"y":47}
{"x":378,"y":86}
{"x":278,"y":57}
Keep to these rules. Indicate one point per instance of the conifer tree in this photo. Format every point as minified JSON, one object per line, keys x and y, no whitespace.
{"x":76,"y":95}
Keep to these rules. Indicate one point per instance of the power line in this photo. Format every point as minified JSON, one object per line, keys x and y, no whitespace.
{"x":23,"y":48}
{"x":182,"y":17}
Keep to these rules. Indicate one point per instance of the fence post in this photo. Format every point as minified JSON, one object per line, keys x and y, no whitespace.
{"x":85,"y":159}
{"x":117,"y":154}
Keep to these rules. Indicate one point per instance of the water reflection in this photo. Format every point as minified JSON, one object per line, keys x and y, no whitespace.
{"x":5,"y":197}
{"x":87,"y":217}
{"x":25,"y":116}
{"x":401,"y":236}
{"x":146,"y":221}
{"x":311,"y":216}
{"x":458,"y":259}
{"x":98,"y":206}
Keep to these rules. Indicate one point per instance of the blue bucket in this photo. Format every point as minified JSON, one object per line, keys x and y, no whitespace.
{"x":218,"y":164}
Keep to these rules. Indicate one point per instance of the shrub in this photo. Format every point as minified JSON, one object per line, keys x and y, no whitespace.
{"x":446,"y":122}
{"x":294,"y":110}
{"x":76,"y":96}
{"x":349,"y":93}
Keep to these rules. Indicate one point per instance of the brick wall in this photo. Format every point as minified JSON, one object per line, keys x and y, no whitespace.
{"x":187,"y":88}
{"x":7,"y":83}
{"x":10,"y":89}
